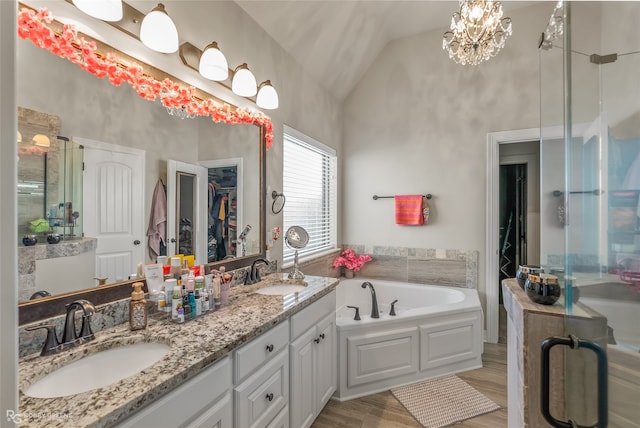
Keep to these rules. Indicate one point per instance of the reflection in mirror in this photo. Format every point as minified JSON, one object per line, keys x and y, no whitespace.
{"x":118,"y":115}
{"x":186,"y":193}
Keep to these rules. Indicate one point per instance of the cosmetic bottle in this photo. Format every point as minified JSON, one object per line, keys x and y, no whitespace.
{"x":176,"y":269}
{"x":224,"y":286}
{"x":137,"y":308}
{"x":200,"y":290}
{"x":169,"y":285}
{"x":192,"y":305}
{"x":216,"y":292}
{"x":185,"y":303}
{"x":176,"y":302}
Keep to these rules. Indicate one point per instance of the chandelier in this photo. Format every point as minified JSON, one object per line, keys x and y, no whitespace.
{"x":478,"y":32}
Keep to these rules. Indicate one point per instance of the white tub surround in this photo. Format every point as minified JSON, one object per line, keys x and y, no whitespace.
{"x":437,"y":331}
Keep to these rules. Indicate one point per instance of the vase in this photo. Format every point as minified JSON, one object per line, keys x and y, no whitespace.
{"x":348,"y":273}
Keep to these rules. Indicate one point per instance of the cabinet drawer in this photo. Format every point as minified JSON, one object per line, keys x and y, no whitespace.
{"x":311,"y":315}
{"x":264,"y":394}
{"x":260,"y":350}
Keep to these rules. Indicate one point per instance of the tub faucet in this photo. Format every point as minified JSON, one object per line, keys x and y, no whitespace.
{"x":70,"y":336}
{"x":374,"y":299}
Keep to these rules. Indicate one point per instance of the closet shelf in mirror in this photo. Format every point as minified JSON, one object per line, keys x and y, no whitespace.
{"x":38,"y":27}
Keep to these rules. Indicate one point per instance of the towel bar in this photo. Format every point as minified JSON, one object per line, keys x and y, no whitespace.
{"x":376,"y":197}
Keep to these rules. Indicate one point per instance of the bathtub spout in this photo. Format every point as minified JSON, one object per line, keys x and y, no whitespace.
{"x":374,"y":300}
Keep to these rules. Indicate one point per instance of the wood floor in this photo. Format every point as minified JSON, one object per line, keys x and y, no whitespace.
{"x":384,"y":411}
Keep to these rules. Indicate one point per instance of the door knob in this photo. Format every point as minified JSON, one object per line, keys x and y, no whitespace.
{"x":172,"y":240}
{"x":136,"y":242}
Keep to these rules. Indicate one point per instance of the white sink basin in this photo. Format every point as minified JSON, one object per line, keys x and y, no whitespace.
{"x":280,"y":289}
{"x":98,"y":370}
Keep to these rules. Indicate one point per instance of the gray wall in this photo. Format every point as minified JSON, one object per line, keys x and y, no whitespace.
{"x":417,"y":123}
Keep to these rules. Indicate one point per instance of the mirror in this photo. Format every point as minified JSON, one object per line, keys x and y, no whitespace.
{"x":96,"y":110}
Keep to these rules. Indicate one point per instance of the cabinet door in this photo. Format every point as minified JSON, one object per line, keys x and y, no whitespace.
{"x":302,"y":372}
{"x":326,"y":361}
{"x":218,"y":416}
{"x":196,"y":398}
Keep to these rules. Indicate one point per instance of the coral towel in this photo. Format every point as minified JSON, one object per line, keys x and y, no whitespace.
{"x":409,"y":210}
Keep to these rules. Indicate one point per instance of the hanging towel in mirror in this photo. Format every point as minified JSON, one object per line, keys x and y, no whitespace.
{"x":409,"y":210}
{"x":157,"y":231}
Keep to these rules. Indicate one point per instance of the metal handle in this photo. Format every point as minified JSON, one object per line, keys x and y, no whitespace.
{"x":136,"y":242}
{"x":357,"y":316}
{"x":392,"y":312}
{"x":269,"y":396}
{"x":172,"y":240}
{"x":574,"y":343}
{"x":317,"y":340}
{"x":321,"y":335}
{"x":270,"y":348}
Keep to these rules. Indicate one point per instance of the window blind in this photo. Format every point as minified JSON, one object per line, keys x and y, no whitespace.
{"x":310,"y":185}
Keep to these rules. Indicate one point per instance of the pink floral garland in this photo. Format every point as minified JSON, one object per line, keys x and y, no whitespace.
{"x":31,"y":25}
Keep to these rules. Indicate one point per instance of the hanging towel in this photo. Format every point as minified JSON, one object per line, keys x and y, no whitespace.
{"x":409,"y":210}
{"x":157,"y":231}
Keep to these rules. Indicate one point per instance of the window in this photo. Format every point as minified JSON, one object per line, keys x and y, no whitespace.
{"x":309,"y":184}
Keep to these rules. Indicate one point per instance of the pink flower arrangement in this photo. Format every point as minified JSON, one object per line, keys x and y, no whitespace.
{"x":33,"y":25}
{"x":350,"y":260}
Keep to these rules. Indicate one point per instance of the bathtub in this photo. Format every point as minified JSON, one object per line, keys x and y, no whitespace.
{"x":436,"y":331}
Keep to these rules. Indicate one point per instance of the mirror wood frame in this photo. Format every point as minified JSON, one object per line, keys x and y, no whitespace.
{"x":47,"y":307}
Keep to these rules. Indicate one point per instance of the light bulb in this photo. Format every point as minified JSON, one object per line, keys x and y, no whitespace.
{"x":107,"y":10}
{"x":267,"y":96}
{"x":244,"y":82}
{"x":213,"y":64}
{"x":158,"y":32}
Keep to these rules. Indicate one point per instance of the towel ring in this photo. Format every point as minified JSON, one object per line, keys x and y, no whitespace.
{"x":278,"y":202}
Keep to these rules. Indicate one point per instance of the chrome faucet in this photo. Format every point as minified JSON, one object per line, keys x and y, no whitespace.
{"x":70,"y":337}
{"x":254,"y":273}
{"x":374,"y":300}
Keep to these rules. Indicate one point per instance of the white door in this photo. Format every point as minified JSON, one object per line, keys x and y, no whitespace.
{"x":191,"y":219}
{"x":113,"y":205}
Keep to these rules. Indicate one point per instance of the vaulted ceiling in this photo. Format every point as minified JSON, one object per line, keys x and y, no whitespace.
{"x":337,"y":40}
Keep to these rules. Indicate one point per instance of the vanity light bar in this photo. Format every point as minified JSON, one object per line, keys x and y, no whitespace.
{"x":190,"y":55}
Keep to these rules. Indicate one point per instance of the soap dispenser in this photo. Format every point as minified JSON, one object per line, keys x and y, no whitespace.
{"x":137,"y":308}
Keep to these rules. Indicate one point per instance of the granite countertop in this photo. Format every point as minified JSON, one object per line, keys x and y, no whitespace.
{"x":196,"y":344}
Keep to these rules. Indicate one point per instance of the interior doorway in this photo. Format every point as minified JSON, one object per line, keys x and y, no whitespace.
{"x":513,"y":219}
{"x":517,"y":216}
{"x":499,"y":147}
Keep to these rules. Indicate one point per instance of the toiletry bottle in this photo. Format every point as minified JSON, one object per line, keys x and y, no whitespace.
{"x":216,"y":291}
{"x":176,"y":302}
{"x":184,"y":272}
{"x":137,"y":308}
{"x":200,"y":289}
{"x":175,"y":267}
{"x":169,"y":285}
{"x":180,"y":315}
{"x":185,"y":303}
{"x":162,"y":302}
{"x":224,"y":286}
{"x":192,"y":304}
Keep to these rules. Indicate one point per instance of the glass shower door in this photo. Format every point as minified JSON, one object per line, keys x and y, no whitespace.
{"x":590,"y":128}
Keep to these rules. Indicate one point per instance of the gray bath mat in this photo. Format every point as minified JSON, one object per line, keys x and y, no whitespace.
{"x":443,"y":401}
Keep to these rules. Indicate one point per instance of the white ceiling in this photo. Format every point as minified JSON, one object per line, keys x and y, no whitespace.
{"x":337,"y":40}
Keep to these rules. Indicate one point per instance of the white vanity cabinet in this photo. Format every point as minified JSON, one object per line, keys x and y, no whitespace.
{"x":261,"y":373}
{"x":201,"y":402}
{"x":313,"y":360}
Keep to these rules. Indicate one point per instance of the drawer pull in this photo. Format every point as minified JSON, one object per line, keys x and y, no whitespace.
{"x":317,"y":340}
{"x":321,"y":335}
{"x":270,"y":348}
{"x":269,"y":396}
